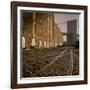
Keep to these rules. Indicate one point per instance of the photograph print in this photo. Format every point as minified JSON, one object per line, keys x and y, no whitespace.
{"x":49,"y":44}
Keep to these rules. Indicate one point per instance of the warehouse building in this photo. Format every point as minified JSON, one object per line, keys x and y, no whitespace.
{"x":40,"y":31}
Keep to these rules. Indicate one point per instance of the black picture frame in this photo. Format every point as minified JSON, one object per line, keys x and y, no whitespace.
{"x":14,"y":5}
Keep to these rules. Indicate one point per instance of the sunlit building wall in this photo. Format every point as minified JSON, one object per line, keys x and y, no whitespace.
{"x":40,"y":31}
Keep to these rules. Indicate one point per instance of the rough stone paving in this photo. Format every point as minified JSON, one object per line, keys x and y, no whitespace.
{"x":49,"y":62}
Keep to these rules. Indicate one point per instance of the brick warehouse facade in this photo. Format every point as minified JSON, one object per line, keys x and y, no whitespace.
{"x":40,"y":30}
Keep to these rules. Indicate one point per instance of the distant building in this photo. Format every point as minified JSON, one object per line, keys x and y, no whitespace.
{"x":40,"y":31}
{"x":72,"y":33}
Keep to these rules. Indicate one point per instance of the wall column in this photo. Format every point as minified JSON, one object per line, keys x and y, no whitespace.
{"x":33,"y":30}
{"x":51,"y":29}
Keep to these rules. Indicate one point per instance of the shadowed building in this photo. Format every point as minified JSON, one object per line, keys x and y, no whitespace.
{"x":40,"y":31}
{"x":72,"y":33}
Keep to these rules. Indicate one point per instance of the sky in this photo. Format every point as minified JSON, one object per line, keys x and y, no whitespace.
{"x":62,"y":18}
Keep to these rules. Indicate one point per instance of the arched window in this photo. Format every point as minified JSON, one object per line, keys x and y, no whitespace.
{"x":33,"y":42}
{"x":23,"y":42}
{"x":44,"y":44}
{"x":40,"y":43}
{"x":47,"y":44}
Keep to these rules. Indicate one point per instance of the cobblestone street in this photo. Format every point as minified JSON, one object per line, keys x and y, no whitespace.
{"x":50,"y":62}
